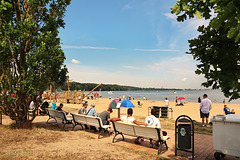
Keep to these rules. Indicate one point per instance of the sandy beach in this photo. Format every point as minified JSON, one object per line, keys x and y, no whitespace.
{"x":52,"y":141}
{"x":190,"y":109}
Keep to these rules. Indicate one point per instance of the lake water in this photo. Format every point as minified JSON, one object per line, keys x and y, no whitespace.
{"x":190,"y":95}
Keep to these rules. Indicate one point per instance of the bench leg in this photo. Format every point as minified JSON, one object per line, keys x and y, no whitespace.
{"x":117,"y":133}
{"x":101,"y":130}
{"x":122,"y":136}
{"x":51,"y":118}
{"x":159,"y":148}
{"x":166,"y":145}
{"x":74,"y":126}
{"x":108,"y":132}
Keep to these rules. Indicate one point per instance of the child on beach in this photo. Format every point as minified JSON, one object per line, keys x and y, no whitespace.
{"x":227,"y":110}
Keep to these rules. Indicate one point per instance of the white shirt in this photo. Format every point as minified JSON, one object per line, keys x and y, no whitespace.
{"x":206,"y":105}
{"x":153,"y":121}
{"x":31,"y":106}
{"x":127,"y":119}
{"x":166,"y":103}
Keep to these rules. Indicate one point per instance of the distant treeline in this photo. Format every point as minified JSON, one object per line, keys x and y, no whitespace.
{"x":104,"y":87}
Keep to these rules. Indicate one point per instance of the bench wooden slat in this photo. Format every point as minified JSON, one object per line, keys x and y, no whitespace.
{"x":146,"y":132}
{"x":127,"y":129}
{"x":80,"y":119}
{"x":92,"y":121}
{"x":59,"y":115}
{"x":140,"y":131}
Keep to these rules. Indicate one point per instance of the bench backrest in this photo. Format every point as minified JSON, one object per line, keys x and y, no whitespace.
{"x":79,"y":118}
{"x":92,"y":121}
{"x":52,"y":113}
{"x":146,"y":132}
{"x":60,"y":115}
{"x":138,"y":130}
{"x":127,"y":128}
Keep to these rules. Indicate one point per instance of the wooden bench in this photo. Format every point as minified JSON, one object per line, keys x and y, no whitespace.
{"x":140,"y":131}
{"x":53,"y":114}
{"x":80,"y":119}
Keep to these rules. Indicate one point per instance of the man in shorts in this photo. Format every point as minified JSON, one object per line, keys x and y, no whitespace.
{"x":205,"y":107}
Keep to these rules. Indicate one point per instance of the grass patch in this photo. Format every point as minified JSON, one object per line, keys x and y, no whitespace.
{"x":167,"y":123}
{"x":143,"y":155}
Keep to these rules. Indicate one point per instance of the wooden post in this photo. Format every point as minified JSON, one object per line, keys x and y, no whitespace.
{"x":92,"y":90}
{"x":119,"y":112}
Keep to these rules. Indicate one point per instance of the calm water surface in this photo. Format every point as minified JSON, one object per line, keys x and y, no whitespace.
{"x":190,"y":95}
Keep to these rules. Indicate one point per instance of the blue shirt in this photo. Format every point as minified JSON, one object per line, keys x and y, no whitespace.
{"x":59,"y":109}
{"x":54,"y":106}
{"x":226,"y":110}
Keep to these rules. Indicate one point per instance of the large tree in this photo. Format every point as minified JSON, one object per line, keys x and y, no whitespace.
{"x":217,"y":47}
{"x":31,"y":57}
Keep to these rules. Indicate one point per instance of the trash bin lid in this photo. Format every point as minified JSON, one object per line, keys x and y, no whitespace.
{"x":183,"y":120}
{"x":227,"y":118}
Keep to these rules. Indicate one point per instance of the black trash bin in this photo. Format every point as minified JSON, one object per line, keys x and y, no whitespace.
{"x":161,"y":112}
{"x":184,"y":134}
{"x":68,"y":101}
{"x":164,"y":112}
{"x":157,"y":108}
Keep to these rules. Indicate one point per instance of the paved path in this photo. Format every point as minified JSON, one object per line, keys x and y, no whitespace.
{"x":203,"y":143}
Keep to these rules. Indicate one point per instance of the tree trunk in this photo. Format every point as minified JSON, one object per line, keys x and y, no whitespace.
{"x":23,"y":120}
{"x":23,"y":124}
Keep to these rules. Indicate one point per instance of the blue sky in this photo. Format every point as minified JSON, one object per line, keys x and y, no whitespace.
{"x":129,"y":42}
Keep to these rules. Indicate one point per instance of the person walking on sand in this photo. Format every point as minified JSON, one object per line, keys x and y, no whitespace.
{"x":166,"y":102}
{"x":205,"y":107}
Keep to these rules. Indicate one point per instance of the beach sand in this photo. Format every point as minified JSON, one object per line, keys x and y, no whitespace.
{"x":190,"y":109}
{"x":52,"y":141}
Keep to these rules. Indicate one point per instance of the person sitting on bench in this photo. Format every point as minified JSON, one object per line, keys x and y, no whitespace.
{"x":129,"y":119}
{"x":152,"y":120}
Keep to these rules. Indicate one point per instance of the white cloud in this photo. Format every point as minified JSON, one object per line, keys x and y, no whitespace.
{"x":169,"y":73}
{"x":87,"y":47}
{"x":157,"y":50}
{"x":75,"y":61}
{"x":171,"y":16}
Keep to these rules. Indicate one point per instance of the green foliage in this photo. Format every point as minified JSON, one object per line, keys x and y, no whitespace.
{"x":217,"y":47}
{"x":30,"y":53}
{"x":104,"y":87}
